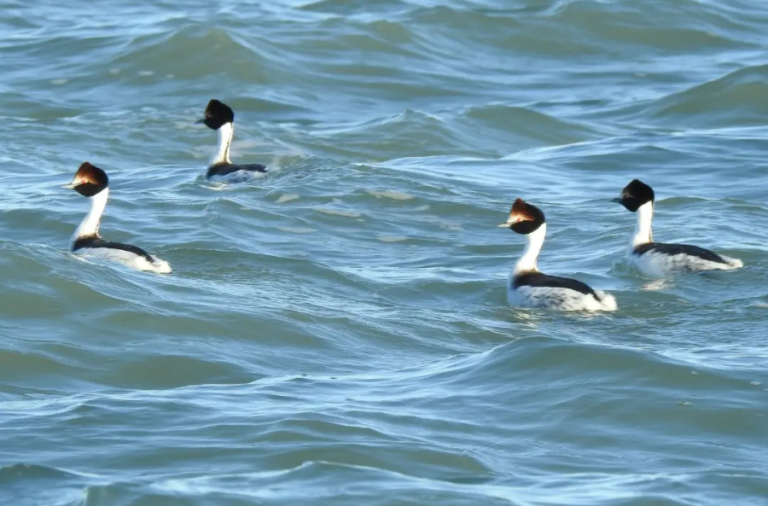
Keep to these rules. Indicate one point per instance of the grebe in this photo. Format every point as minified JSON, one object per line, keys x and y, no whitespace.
{"x":90,"y":181}
{"x":528,"y":287}
{"x":655,"y":259}
{"x":220,"y":117}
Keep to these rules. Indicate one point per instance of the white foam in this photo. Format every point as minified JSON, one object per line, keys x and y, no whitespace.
{"x":287,"y":198}
{"x":338,"y":212}
{"x":390,"y":194}
{"x":297,"y":230}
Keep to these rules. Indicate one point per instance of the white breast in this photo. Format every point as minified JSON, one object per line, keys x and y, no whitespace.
{"x":562,"y":299}
{"x":127,"y":258}
{"x":659,"y":265}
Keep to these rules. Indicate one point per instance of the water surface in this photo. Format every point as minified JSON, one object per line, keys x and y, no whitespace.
{"x":336,"y":332}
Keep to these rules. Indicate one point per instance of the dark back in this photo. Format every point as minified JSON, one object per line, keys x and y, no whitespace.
{"x":98,"y":242}
{"x":222,"y":169}
{"x":679,"y":249}
{"x":538,"y":279}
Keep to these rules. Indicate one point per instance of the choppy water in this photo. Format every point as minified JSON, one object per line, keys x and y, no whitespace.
{"x":337,"y":332}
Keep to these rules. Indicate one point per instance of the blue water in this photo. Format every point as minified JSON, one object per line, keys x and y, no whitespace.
{"x":336,"y":332}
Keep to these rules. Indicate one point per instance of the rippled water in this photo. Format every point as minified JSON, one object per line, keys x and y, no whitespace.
{"x":336,"y":332}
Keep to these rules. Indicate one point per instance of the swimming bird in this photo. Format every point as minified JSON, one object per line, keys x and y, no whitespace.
{"x":92,"y":182}
{"x":655,"y":259}
{"x":221,"y":117}
{"x":528,"y":287}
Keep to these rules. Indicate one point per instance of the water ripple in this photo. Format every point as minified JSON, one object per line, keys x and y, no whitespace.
{"x":337,"y":330}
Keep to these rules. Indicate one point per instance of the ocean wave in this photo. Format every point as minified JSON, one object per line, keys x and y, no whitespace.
{"x":338,"y":331}
{"x":729,"y":101}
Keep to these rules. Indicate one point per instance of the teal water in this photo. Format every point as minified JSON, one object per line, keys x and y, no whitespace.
{"x":336,"y":333}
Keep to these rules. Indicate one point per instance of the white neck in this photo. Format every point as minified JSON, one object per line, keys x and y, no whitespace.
{"x":90,"y":224}
{"x":533,"y":243}
{"x":225,"y":140}
{"x":642,"y":233}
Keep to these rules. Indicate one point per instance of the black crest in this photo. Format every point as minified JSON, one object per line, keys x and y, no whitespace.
{"x":528,"y":217}
{"x":217,"y":114}
{"x":90,"y":180}
{"x":635,"y":194}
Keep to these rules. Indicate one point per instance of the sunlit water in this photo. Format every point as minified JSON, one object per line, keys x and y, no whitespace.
{"x":336,"y":333}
